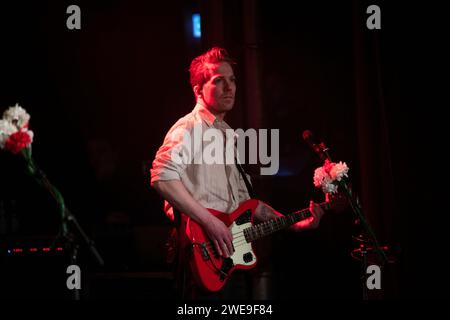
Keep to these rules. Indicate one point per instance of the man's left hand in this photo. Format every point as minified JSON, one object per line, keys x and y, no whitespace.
{"x":312,"y":222}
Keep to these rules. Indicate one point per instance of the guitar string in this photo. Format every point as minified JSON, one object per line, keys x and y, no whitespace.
{"x":241,"y":242}
{"x":265,"y":228}
{"x":211,"y":247}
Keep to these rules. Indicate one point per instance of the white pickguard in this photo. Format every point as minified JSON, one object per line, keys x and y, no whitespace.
{"x":241,"y":247}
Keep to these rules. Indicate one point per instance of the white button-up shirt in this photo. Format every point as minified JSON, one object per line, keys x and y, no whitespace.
{"x":218,"y":186}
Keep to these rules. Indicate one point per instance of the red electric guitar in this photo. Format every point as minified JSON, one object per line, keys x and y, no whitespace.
{"x":212,"y":271}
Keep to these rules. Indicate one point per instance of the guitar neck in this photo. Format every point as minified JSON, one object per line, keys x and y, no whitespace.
{"x":266,"y":228}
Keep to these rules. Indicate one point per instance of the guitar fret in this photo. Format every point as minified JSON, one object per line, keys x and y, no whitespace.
{"x":262,"y":229}
{"x":293,"y":219}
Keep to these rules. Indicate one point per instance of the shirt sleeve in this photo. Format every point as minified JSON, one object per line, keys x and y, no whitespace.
{"x":172,"y":157}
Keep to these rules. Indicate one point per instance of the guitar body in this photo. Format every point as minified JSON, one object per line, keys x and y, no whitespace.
{"x":210,"y":270}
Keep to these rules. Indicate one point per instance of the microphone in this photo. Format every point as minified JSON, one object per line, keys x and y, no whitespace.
{"x":319,"y":148}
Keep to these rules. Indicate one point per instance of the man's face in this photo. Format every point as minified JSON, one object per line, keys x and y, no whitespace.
{"x":218,"y":92}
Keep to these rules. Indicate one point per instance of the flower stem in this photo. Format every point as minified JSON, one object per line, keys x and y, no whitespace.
{"x":358,"y":211}
{"x":41,"y":178}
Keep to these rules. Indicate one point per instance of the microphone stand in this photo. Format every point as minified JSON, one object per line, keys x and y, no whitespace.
{"x":67,"y":218}
{"x":368,"y":235}
{"x":73,"y":246}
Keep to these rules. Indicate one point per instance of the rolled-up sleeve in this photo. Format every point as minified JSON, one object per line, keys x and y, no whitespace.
{"x":170,"y":160}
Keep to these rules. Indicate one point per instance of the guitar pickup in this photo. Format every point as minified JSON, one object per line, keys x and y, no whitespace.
{"x":204,"y":251}
{"x":227,"y":264}
{"x":214,"y":251}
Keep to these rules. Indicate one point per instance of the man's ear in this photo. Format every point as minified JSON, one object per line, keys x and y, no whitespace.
{"x":197,"y":91}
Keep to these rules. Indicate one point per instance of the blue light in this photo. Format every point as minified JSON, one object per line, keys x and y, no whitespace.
{"x":196,"y":26}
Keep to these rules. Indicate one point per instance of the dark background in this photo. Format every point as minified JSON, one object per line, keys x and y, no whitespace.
{"x":102,"y":98}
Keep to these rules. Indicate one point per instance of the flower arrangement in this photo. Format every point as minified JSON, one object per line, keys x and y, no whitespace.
{"x":14,"y":132}
{"x":15,"y":137}
{"x":330,"y":175}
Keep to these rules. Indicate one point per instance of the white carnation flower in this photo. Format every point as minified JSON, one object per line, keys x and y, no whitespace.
{"x":319,"y":176}
{"x":329,"y":188}
{"x":324,"y":181}
{"x":339,"y":171}
{"x":6,"y":129}
{"x":17,"y":115}
{"x":328,"y":180}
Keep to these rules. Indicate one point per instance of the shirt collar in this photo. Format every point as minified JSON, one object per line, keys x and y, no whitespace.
{"x":206,"y":115}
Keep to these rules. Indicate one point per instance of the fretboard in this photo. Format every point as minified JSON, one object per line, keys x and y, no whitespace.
{"x":265,"y":228}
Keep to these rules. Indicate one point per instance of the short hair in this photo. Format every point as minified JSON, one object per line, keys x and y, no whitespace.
{"x":199,"y":66}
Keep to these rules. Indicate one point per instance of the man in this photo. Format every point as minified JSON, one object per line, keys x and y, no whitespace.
{"x":192,"y":186}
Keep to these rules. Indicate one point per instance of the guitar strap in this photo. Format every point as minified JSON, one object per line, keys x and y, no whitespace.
{"x":248,"y":185}
{"x":250,"y":190}
{"x":241,"y":170}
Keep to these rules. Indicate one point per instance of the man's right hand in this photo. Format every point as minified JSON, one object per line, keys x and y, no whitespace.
{"x":177,"y":195}
{"x":220,"y":236}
